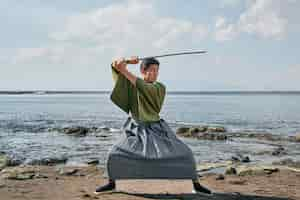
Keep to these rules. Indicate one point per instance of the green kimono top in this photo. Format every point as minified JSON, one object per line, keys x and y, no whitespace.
{"x":144,"y":101}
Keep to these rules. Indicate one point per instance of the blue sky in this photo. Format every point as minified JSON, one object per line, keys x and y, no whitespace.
{"x":69,"y":45}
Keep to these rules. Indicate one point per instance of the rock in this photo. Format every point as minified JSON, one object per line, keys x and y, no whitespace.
{"x":9,"y":161}
{"x":202,"y":128}
{"x":102,"y":136}
{"x":93,"y":129}
{"x":86,"y":196}
{"x":3,"y":161}
{"x":18,"y":173}
{"x":196,"y":130}
{"x":221,"y":137}
{"x":279,"y":151}
{"x":263,"y":152}
{"x":202,"y":132}
{"x":240,"y":158}
{"x":211,"y":136}
{"x":14,"y":162}
{"x":79,"y":131}
{"x":183,"y":131}
{"x":105,"y":129}
{"x":297,"y":137}
{"x":255,"y":170}
{"x":205,"y":136}
{"x":48,"y":161}
{"x":260,"y":136}
{"x":93,"y":162}
{"x":76,"y":131}
{"x":218,"y":129}
{"x":2,"y":185}
{"x":38,"y":175}
{"x":220,"y":177}
{"x":68,"y":171}
{"x":245,"y":159}
{"x":288,"y":162}
{"x":193,"y":132}
{"x":208,"y":166}
{"x":235,"y":159}
{"x":99,"y":130}
{"x":22,"y":176}
{"x":230,"y":171}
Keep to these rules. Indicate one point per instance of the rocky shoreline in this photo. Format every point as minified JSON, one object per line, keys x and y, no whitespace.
{"x":238,"y":165}
{"x":220,"y":133}
{"x":201,"y":132}
{"x":277,"y":143}
{"x":234,"y":174}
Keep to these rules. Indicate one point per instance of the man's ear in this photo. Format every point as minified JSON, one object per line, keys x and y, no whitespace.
{"x":142,"y":70}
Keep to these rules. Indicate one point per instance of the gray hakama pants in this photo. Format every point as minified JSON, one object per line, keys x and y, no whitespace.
{"x":150,"y":151}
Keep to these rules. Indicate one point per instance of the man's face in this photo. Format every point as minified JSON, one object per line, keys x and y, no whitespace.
{"x":150,"y":75}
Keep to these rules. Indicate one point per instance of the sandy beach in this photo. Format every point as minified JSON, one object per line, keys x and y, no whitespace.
{"x":58,"y":182}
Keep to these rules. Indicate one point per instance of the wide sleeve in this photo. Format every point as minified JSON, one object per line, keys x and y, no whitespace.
{"x":115,"y":74}
{"x":152,"y":93}
{"x":120,"y":95}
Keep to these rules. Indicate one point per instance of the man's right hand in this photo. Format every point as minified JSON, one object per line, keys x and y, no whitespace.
{"x":119,"y":64}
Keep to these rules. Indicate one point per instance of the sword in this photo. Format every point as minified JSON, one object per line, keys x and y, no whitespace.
{"x":165,"y":55}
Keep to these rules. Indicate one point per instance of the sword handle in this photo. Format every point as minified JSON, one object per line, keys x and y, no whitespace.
{"x":132,"y":60}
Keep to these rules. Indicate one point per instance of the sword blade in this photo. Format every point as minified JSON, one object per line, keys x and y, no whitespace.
{"x":174,"y":54}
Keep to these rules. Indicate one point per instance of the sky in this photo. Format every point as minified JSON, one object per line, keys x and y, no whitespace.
{"x":69,"y":45}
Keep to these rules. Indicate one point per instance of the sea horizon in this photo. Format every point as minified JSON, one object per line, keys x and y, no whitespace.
{"x":176,"y":92}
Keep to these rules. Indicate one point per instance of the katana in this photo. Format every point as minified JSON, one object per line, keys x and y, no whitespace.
{"x":174,"y":54}
{"x":166,"y":55}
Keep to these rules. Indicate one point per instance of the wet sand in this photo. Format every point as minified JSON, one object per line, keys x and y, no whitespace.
{"x":49,"y":184}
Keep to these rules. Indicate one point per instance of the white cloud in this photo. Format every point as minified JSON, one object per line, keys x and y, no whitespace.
{"x":262,"y":18}
{"x":115,"y":30}
{"x":56,"y":55}
{"x":131,"y":24}
{"x":224,"y":31}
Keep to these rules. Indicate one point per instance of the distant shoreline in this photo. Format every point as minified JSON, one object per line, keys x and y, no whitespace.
{"x":40,"y":92}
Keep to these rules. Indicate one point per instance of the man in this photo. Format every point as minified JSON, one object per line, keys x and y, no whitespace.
{"x":149,"y":148}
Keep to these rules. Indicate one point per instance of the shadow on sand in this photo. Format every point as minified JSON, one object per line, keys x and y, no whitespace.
{"x":201,"y":196}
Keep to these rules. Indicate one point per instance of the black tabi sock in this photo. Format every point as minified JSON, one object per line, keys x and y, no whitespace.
{"x":199,"y":188}
{"x":109,"y":186}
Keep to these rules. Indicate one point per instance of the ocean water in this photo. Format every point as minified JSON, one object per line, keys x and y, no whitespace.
{"x":22,"y":116}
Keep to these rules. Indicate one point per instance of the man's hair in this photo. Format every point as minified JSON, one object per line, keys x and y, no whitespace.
{"x":147,"y":62}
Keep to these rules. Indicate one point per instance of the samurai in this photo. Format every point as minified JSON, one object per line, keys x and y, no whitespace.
{"x":148,"y":147}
